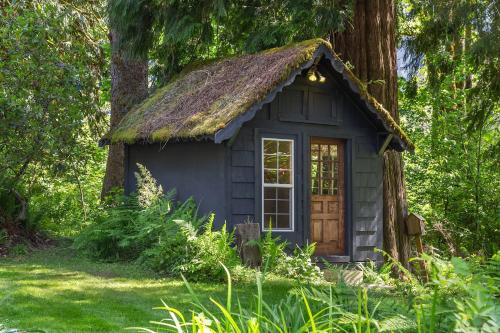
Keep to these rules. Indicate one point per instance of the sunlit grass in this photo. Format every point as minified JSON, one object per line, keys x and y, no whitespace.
{"x":57,"y":290}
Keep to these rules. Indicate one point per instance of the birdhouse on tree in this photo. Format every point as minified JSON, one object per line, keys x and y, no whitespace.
{"x":415,"y":225}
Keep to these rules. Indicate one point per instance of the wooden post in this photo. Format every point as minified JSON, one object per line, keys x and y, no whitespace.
{"x":249,"y":253}
{"x":415,"y":227}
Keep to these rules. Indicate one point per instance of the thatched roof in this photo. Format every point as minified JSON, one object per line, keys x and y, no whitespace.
{"x":208,"y":100}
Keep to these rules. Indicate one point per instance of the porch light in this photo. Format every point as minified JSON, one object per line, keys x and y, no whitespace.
{"x":311,"y":75}
{"x":314,"y":75}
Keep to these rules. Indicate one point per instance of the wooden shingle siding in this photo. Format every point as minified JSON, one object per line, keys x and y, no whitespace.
{"x":242,"y":174}
{"x":242,"y":188}
{"x":242,"y":158}
{"x":242,"y":206}
{"x":367,"y":197}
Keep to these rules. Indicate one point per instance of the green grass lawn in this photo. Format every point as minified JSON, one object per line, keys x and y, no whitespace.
{"x":56,"y":290}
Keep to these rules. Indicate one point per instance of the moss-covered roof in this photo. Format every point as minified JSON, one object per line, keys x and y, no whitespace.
{"x":205,"y":100}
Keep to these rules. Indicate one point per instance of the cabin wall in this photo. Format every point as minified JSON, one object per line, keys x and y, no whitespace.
{"x":301,"y":111}
{"x":193,"y":168}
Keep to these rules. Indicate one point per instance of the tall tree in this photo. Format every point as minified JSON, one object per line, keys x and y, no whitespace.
{"x":129,"y":85}
{"x":369,"y":44}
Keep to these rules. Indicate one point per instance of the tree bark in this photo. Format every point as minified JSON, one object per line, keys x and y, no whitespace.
{"x":370,"y":46}
{"x":129,"y":86}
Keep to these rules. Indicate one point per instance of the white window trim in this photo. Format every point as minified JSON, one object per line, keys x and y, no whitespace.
{"x":291,"y":186}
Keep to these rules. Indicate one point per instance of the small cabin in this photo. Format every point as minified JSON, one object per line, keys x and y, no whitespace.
{"x":287,"y":138}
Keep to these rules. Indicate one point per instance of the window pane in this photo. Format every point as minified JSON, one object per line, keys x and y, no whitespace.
{"x":270,"y":161}
{"x":270,"y":206}
{"x":269,"y":221}
{"x":284,"y":162}
{"x":284,"y":193}
{"x":284,"y":221}
{"x":284,"y":147}
{"x":283,"y":206}
{"x":270,"y":176}
{"x":270,"y":146}
{"x":284,"y":177}
{"x":315,"y":190}
{"x":269,"y":192}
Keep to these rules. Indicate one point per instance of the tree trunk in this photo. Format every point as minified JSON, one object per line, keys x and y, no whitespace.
{"x":370,"y":46}
{"x":129,"y":86}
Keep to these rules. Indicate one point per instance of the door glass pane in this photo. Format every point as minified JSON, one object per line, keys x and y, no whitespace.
{"x":314,"y":152}
{"x":325,"y":153}
{"x":326,"y":186}
{"x":333,"y":151}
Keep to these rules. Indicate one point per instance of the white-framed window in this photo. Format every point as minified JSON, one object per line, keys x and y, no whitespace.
{"x":277,"y":184}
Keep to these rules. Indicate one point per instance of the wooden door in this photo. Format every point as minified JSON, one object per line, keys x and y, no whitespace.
{"x":327,"y":195}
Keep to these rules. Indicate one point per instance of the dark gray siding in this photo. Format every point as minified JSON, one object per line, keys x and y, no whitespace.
{"x":193,"y":168}
{"x":301,"y":111}
{"x":367,"y":199}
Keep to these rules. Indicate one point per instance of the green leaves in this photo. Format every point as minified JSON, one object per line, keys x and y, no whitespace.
{"x":51,"y":68}
{"x":176,"y":33}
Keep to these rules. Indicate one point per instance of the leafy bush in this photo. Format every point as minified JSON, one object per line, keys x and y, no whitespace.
{"x":462,"y":296}
{"x":149,"y":227}
{"x":206,"y":251}
{"x":298,"y":265}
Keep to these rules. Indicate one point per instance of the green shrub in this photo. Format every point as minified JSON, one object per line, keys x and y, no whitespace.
{"x":297,"y":265}
{"x":206,"y":252}
{"x":167,"y":237}
{"x":137,"y":226}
